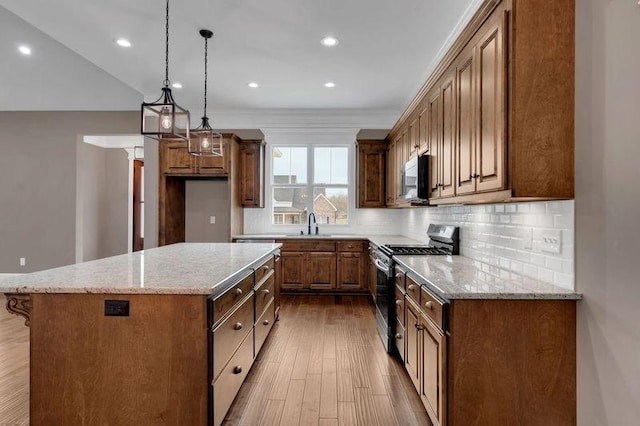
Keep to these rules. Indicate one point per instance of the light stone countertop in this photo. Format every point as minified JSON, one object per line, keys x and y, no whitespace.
{"x":375,"y":239}
{"x":185,"y":268}
{"x":459,"y":277}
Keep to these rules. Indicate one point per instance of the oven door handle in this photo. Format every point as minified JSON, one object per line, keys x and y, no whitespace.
{"x":381,"y":265}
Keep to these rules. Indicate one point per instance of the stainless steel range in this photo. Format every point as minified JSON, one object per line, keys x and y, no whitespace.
{"x":443,"y":240}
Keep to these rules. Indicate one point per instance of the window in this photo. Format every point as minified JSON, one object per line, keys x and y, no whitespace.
{"x":310,"y":179}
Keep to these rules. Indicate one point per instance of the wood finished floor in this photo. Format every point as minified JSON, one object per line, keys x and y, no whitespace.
{"x":324,"y":364}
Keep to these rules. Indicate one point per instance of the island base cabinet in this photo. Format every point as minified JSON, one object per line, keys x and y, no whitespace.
{"x":228,"y":383}
{"x":90,"y":368}
{"x":264,"y":325}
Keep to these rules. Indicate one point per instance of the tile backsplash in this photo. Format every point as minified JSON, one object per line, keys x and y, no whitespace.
{"x":507,"y":238}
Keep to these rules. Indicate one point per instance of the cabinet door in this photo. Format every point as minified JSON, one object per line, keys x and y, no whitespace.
{"x":322,"y":270}
{"x":176,"y":158}
{"x":413,"y":144}
{"x":293,"y":266}
{"x":434,"y":136}
{"x":423,"y":131}
{"x":432,"y":380}
{"x":490,"y":162}
{"x":447,"y":174}
{"x":217,"y":166}
{"x":391,"y":173}
{"x":401,"y":149}
{"x":351,"y":271}
{"x":252,"y":174}
{"x":373,"y":278}
{"x":465,"y":128}
{"x":371,"y":173}
{"x":412,"y":333}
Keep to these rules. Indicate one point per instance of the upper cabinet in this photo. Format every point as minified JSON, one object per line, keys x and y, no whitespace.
{"x":251,"y":169}
{"x":371,"y":163}
{"x":176,"y":160}
{"x":497,"y":115}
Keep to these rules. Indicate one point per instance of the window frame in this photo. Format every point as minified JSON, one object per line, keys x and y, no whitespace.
{"x":310,"y":185}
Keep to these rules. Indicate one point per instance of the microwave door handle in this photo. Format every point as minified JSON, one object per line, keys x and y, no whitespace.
{"x":381,"y":266}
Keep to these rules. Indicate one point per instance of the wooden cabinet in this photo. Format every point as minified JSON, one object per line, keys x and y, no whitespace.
{"x":391,"y":173}
{"x":412,"y":330}
{"x":371,"y":163}
{"x":294,"y":265}
{"x":432,"y":369}
{"x":176,"y":160}
{"x":497,"y":114}
{"x":372,"y":276}
{"x":251,"y":169}
{"x":351,"y":270}
{"x":322,"y":270}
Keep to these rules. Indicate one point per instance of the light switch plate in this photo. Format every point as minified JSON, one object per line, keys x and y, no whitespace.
{"x":551,"y":241}
{"x":212,"y":220}
{"x":23,"y":261}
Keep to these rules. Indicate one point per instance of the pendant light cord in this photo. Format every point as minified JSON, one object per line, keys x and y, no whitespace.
{"x":206,"y":50}
{"x":166,"y":52}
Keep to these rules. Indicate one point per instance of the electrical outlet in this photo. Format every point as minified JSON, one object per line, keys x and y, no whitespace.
{"x":23,"y":261}
{"x":212,"y":220}
{"x":551,"y":241}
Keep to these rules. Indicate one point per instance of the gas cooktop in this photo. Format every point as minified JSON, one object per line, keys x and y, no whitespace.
{"x":398,"y":250}
{"x":443,"y":240}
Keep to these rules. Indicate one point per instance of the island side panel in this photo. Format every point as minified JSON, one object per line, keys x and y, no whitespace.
{"x":512,"y":362}
{"x":147,"y":368}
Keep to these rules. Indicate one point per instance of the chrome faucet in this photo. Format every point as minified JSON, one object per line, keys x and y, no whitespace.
{"x":314,"y":221}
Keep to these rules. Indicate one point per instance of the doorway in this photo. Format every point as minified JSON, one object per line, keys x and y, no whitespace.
{"x":138,"y":205}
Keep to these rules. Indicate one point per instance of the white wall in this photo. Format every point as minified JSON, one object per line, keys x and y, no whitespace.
{"x":608,"y":210}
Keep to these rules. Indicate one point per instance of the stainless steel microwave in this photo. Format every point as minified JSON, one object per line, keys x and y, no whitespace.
{"x":415,"y":178}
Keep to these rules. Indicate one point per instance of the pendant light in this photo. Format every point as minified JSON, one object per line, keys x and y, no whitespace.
{"x":164,"y":118}
{"x":204,"y":141}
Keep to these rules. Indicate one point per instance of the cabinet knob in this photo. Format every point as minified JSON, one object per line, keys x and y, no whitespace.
{"x":476,"y":176}
{"x":411,"y":287}
{"x":398,"y":336}
{"x":265,"y":322}
{"x":350,"y":246}
{"x":266,"y":291}
{"x":398,"y":302}
{"x":266,"y":267}
{"x":419,"y":327}
{"x":237,"y":369}
{"x":238,"y":291}
{"x":399,"y":275}
{"x":471,"y":177}
{"x":237,"y":326}
{"x":429,"y":305}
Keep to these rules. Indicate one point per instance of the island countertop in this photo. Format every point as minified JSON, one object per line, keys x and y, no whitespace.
{"x":184,"y":268}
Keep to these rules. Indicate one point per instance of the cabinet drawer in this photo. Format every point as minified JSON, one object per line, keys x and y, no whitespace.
{"x":223,"y":304}
{"x":306,"y":245}
{"x":399,"y":277}
{"x":350,"y":245}
{"x":413,"y":290}
{"x":399,"y":303}
{"x":264,"y":269}
{"x":432,"y":308}
{"x":264,"y":325}
{"x":228,"y":384}
{"x":265,"y":293}
{"x":399,"y":337}
{"x":230,"y":333}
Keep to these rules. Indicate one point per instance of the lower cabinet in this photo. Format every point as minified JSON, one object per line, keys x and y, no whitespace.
{"x":413,"y":359}
{"x":432,"y":371}
{"x":351,"y":270}
{"x":322,"y":271}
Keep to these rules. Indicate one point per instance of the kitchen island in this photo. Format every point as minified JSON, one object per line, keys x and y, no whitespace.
{"x":148,"y":337}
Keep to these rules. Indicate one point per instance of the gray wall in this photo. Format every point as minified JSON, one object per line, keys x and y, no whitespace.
{"x":204,"y":199}
{"x":150,"y":193}
{"x":38,"y":182}
{"x":607,"y":211}
{"x":103,"y":198}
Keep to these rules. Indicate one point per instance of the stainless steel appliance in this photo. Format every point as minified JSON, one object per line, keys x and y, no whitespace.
{"x":443,"y":240}
{"x":415,"y":179}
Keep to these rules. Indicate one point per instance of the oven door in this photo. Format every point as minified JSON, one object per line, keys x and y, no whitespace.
{"x":384,"y":270}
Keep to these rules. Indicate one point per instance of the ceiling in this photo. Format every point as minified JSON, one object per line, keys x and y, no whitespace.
{"x":387,"y":48}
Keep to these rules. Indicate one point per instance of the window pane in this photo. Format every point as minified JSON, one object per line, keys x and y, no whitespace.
{"x":289,"y":165}
{"x":331,"y":205}
{"x":331,"y":165}
{"x":290,"y":205}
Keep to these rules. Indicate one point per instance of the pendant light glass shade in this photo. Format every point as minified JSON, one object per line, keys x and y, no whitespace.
{"x":164,"y":118}
{"x":204,"y":141}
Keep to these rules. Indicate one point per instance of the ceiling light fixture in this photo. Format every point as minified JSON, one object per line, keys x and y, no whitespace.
{"x":176,"y":86}
{"x":204,"y":141}
{"x":123,"y":42}
{"x":25,"y":50}
{"x":253,"y":85}
{"x":164,"y":118}
{"x":329,"y":41}
{"x":330,"y":84}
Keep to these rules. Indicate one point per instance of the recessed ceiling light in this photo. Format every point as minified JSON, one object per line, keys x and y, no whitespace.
{"x":330,"y":84}
{"x":253,"y":85}
{"x":25,"y":50}
{"x":329,"y":41}
{"x":176,"y":86}
{"x":123,"y":42}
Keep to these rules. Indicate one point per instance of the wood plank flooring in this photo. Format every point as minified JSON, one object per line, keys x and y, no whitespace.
{"x":324,"y":364}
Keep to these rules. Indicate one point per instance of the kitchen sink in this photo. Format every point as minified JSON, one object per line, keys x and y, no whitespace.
{"x":309,"y":236}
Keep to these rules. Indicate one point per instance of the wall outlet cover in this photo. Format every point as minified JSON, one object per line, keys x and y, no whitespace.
{"x":23,"y":261}
{"x":212,"y":220}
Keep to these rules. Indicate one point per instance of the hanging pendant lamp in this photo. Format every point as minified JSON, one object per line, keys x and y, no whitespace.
{"x":164,"y":118}
{"x":204,"y":141}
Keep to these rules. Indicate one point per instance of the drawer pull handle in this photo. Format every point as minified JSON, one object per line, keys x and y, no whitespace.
{"x":411,"y":287}
{"x":398,"y":302}
{"x":239,"y":291}
{"x":237,"y":326}
{"x":266,"y":291}
{"x":429,"y":305}
{"x":419,"y":327}
{"x":350,"y":246}
{"x":265,"y":322}
{"x":237,"y":369}
{"x":398,"y":336}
